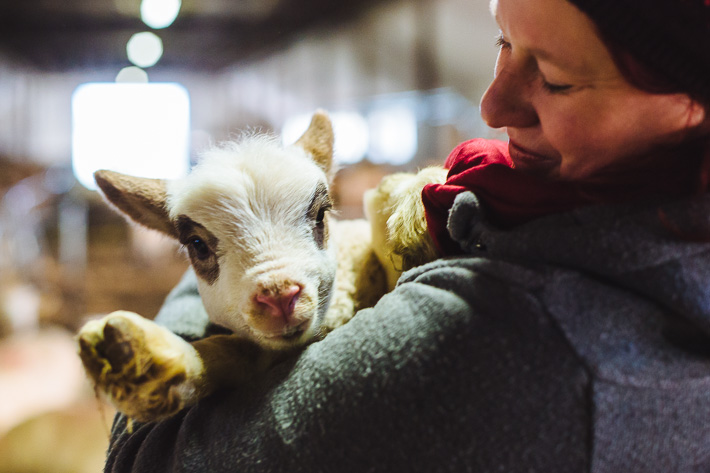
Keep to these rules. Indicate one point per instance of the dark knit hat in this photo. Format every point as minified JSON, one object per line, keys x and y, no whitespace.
{"x":670,"y":37}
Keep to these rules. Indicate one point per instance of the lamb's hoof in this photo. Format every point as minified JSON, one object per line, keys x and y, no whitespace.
{"x":145,"y":370}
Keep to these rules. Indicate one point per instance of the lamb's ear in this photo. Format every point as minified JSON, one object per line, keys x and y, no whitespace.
{"x":141,"y":199}
{"x":318,"y":141}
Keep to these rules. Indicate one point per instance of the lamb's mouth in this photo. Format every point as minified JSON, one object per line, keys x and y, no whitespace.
{"x":291,"y":334}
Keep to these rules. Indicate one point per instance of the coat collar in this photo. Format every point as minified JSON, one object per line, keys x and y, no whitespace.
{"x":627,"y":245}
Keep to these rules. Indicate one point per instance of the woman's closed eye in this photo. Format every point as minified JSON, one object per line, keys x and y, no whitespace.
{"x":549,"y":87}
{"x":555,"y":88}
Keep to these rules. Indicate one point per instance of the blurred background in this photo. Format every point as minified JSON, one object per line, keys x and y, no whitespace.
{"x":143,"y":86}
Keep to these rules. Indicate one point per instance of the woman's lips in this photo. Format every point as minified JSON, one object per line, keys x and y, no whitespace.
{"x":529,"y":161}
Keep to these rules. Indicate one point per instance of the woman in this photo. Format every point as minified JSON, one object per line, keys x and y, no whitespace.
{"x":569,"y":330}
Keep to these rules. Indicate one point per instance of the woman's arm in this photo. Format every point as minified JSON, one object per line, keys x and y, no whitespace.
{"x":428,"y":380}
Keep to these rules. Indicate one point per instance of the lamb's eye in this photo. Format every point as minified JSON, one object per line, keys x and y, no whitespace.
{"x":200,"y":248}
{"x":321,"y":216}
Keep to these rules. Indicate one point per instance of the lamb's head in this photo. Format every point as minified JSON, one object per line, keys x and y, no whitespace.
{"x":253,"y":216}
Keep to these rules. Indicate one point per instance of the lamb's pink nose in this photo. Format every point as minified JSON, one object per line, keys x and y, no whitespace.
{"x":280,"y":304}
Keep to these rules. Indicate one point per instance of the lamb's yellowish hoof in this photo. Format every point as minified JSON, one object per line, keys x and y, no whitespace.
{"x":146,"y":371}
{"x":396,"y":213}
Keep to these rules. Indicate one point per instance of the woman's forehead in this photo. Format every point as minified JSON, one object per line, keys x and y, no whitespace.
{"x":554,"y":31}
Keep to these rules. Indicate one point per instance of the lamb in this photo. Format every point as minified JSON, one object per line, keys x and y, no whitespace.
{"x":273,"y":267}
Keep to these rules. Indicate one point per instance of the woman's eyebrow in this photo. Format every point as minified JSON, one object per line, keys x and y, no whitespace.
{"x":546,"y":56}
{"x":570,"y":64}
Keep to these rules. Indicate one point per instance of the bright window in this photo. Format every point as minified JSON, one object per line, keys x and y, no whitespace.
{"x":137,"y":129}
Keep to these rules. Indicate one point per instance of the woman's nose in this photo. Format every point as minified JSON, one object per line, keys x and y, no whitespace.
{"x":507,"y":101}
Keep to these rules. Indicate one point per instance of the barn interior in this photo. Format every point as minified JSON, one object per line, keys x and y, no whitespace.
{"x":401,"y":79}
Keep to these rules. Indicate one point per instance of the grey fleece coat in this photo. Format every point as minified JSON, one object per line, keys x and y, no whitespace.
{"x":579,"y":342}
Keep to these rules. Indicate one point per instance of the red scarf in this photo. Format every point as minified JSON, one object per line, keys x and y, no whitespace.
{"x":509,"y":197}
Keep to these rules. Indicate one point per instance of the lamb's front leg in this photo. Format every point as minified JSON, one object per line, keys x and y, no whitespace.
{"x":145,"y":371}
{"x":149,"y":373}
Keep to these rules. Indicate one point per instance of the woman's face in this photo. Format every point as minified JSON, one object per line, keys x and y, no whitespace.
{"x":565,"y":105}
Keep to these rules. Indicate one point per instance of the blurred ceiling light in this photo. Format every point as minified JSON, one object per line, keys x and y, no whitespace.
{"x":350,"y":129}
{"x":144,"y":49}
{"x":393,"y":135}
{"x":132,"y":74}
{"x":137,"y":129}
{"x":159,"y":13}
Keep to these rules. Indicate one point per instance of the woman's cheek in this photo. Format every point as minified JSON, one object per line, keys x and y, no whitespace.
{"x":565,"y":134}
{"x":581,"y":149}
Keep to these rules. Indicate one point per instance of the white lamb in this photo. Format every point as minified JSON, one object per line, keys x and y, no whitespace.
{"x":272,"y":266}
